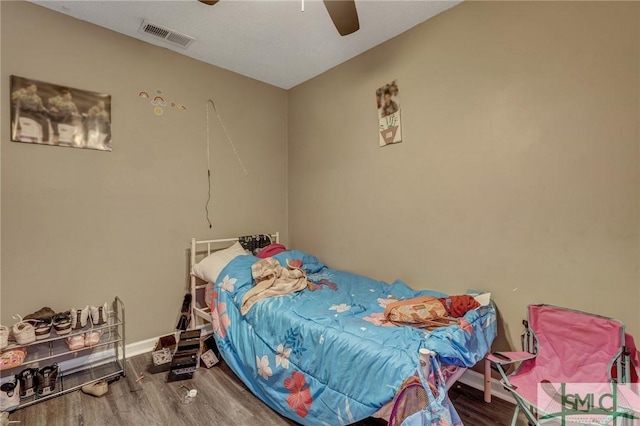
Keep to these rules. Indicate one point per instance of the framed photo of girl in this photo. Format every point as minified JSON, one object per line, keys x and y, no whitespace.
{"x":50,"y":114}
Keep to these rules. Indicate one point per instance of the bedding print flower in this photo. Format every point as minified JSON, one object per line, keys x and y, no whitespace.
{"x":282,"y":357}
{"x":299,"y":398}
{"x":378,"y":319}
{"x":213,"y":299}
{"x":343,"y":307}
{"x":220,"y":320}
{"x":464,"y":324}
{"x":227,"y":283}
{"x":263,"y":367}
{"x":384,"y":302}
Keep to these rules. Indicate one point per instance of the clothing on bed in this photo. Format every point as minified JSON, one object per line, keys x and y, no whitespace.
{"x":272,"y":280}
{"x":458,"y":305}
{"x":326,"y":356}
{"x":271,"y":250}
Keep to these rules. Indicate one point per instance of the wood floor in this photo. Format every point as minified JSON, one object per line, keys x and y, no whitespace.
{"x":222,"y":400}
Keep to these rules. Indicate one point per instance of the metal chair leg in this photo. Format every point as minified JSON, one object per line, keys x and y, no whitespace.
{"x":515,"y":415}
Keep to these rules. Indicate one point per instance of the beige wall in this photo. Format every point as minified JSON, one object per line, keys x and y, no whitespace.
{"x":519,"y":173}
{"x":81,"y":226}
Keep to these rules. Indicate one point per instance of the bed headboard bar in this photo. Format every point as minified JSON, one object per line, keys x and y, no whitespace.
{"x":198,"y":246}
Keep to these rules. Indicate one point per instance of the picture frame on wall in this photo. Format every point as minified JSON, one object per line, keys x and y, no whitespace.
{"x":389,"y":124}
{"x":51,"y":114}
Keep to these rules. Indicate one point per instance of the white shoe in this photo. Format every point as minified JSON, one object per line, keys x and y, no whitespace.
{"x":79,"y":317}
{"x":9,"y":396}
{"x":99,"y":315}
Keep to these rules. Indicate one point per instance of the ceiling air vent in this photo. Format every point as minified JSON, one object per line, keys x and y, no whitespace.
{"x":166,"y":34}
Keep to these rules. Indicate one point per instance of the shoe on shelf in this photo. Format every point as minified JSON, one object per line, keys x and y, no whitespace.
{"x":47,"y":378}
{"x":43,"y":329}
{"x":99,"y":315}
{"x":96,"y":389}
{"x":4,"y":336}
{"x":79,"y":317}
{"x":28,"y":382}
{"x":12,"y":357}
{"x":9,"y":395}
{"x":23,"y":331}
{"x":62,"y":323}
{"x":92,"y":338}
{"x":75,"y":342}
{"x":45,"y":313}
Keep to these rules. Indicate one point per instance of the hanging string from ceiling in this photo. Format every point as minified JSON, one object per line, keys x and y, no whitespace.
{"x":233,"y":148}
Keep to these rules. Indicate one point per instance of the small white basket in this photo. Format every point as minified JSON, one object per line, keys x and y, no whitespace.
{"x":23,"y":331}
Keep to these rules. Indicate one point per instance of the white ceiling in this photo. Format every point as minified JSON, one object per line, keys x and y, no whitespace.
{"x":271,"y":41}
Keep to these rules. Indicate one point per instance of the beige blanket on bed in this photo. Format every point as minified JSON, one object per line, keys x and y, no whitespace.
{"x":272,"y":280}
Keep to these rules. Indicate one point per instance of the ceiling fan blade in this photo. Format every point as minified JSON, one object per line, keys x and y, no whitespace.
{"x":209,"y":2}
{"x":344,"y":15}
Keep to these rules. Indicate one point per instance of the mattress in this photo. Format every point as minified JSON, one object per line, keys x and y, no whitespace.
{"x":326,"y":356}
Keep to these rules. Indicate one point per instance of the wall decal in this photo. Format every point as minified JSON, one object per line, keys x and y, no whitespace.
{"x":388,"y":101}
{"x":50,"y":114}
{"x":158,"y":102}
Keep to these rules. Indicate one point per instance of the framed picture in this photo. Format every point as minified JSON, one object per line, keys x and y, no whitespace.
{"x":50,"y":114}
{"x":388,"y":101}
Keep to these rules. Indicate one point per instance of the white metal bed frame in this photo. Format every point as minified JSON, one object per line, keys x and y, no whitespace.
{"x":198,"y":285}
{"x":205,"y":248}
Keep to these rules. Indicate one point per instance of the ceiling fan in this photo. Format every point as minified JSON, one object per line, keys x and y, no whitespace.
{"x":343,"y":13}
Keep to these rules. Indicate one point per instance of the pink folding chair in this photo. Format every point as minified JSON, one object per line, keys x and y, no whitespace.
{"x":568,"y":355}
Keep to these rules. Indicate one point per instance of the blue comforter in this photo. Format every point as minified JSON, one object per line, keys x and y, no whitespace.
{"x":324,"y":356}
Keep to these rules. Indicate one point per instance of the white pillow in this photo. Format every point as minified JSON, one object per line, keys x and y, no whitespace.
{"x":210,"y":267}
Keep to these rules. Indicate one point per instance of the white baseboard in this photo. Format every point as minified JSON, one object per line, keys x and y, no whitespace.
{"x":132,"y":349}
{"x":140,"y":347}
{"x":74,"y":362}
{"x":469,"y":378}
{"x":147,"y":345}
{"x":476,"y":381}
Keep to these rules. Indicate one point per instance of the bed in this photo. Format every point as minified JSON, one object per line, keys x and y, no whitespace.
{"x":326,"y":356}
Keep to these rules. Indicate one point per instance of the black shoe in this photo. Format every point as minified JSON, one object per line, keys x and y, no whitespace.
{"x":47,"y":377}
{"x":28,"y":382}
